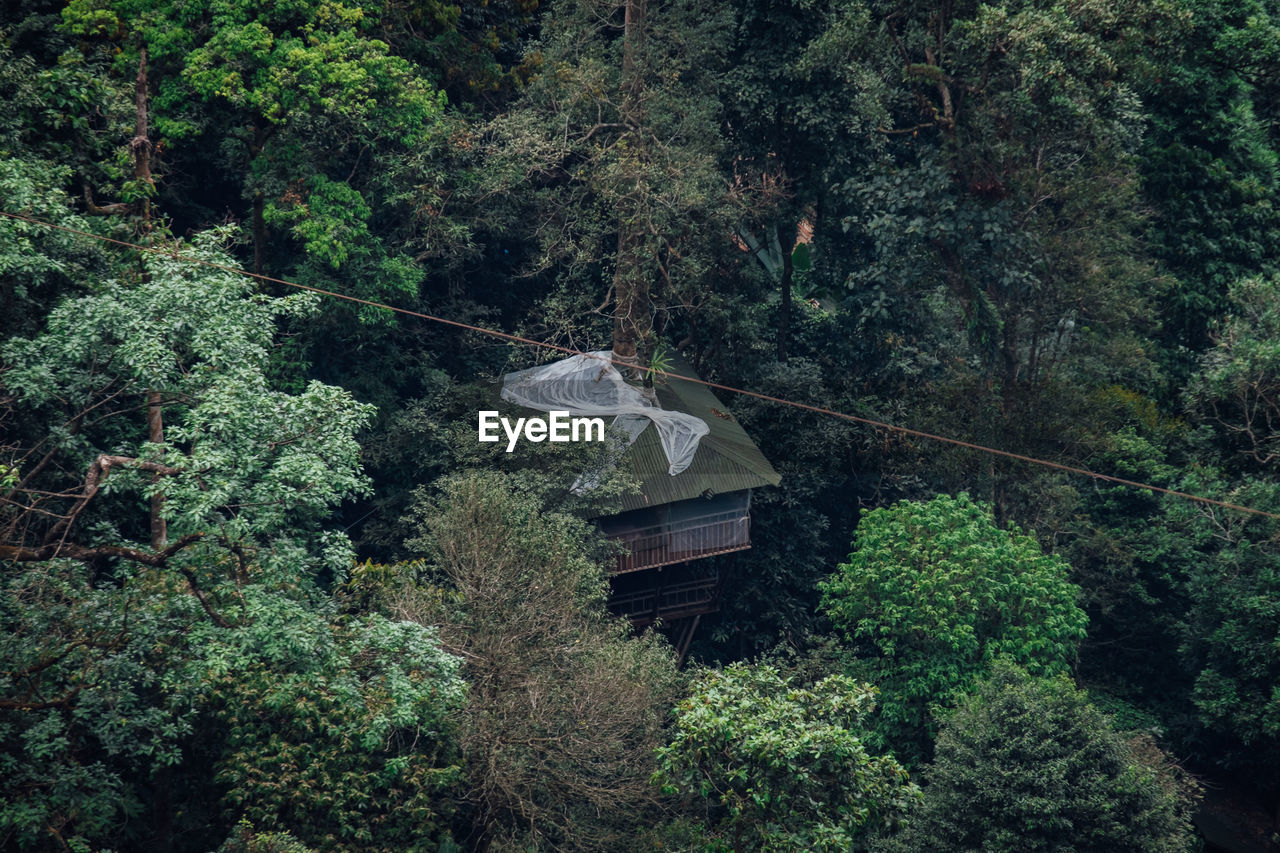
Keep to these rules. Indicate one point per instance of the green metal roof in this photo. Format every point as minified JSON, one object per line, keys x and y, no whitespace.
{"x":727,"y":459}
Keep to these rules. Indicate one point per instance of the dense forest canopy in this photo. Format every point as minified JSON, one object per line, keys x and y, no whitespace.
{"x":263,"y":589}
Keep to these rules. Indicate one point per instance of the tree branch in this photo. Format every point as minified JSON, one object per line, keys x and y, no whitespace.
{"x":17,"y":554}
{"x":98,"y":472}
{"x":24,"y":705}
{"x":202,"y":598}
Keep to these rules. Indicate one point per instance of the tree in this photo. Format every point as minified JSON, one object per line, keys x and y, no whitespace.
{"x":66,"y":111}
{"x":1028,"y":765}
{"x":1231,"y":628}
{"x":246,"y":840}
{"x":244,"y":468}
{"x":38,"y":265}
{"x":1002,"y":218}
{"x":1236,"y":391}
{"x":934,"y":593}
{"x":1126,"y":556}
{"x":798,"y":114}
{"x":615,"y":147}
{"x":1029,"y":122}
{"x":773,"y":766}
{"x":1232,"y":576}
{"x":1210,"y":166}
{"x":339,"y":731}
{"x":563,"y":709}
{"x":298,"y":103}
{"x":95,"y":616}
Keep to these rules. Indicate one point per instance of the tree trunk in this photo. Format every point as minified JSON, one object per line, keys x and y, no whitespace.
{"x":784,"y":309}
{"x":633,"y":322}
{"x":141,"y":148}
{"x":155,"y":434}
{"x":632,"y":40}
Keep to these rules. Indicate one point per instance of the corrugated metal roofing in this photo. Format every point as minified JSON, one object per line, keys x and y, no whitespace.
{"x":727,"y":459}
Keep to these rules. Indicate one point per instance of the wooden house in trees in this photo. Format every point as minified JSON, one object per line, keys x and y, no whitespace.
{"x":678,"y":520}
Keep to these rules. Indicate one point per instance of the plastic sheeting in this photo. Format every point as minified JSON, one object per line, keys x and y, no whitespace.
{"x":588,"y":385}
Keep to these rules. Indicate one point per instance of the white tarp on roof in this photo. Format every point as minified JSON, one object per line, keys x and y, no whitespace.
{"x":588,"y":385}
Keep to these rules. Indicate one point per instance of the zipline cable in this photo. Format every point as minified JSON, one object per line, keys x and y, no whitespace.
{"x":820,"y":410}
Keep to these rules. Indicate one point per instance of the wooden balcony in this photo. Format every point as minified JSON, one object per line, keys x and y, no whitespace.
{"x":685,"y":539}
{"x":670,"y":603}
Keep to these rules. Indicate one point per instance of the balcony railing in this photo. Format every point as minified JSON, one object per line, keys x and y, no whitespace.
{"x":685,"y":539}
{"x":677,"y":601}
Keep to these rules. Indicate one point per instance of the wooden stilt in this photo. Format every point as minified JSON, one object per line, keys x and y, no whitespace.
{"x":686,"y":638}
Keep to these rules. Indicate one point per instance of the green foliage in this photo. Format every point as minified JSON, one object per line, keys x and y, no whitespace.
{"x":341,"y":733}
{"x":331,"y":220}
{"x":1044,"y":227}
{"x":245,"y":840}
{"x":1128,"y":561}
{"x":63,"y":109}
{"x":96,"y":642}
{"x":980,"y":206}
{"x":623,"y":162}
{"x":794,"y":538}
{"x":297,"y":105}
{"x":38,"y":265}
{"x":1229,"y":631}
{"x":1236,"y":622}
{"x":659,"y":362}
{"x":997,"y":235}
{"x":276,"y":64}
{"x":773,"y":766}
{"x":564,"y":707}
{"x":1236,"y":389}
{"x":1028,"y":764}
{"x":81,"y":720}
{"x":800,"y":108}
{"x":934,"y":593}
{"x":251,"y":464}
{"x":1209,"y":163}
{"x":311,"y":58}
{"x":1233,"y":575}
